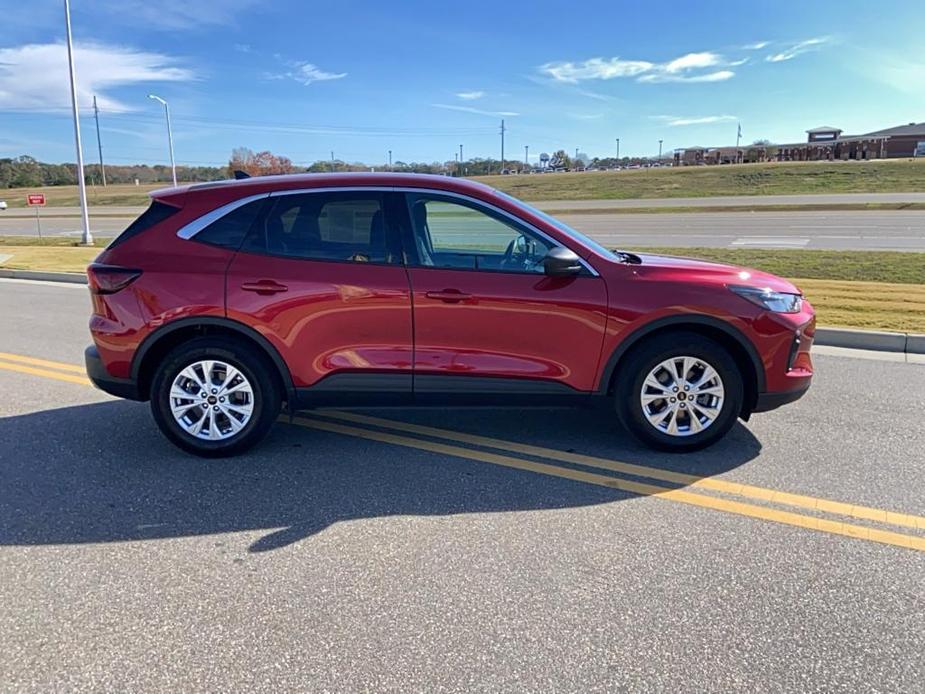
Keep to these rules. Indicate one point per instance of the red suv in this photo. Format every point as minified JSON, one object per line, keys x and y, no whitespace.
{"x":224,"y":301}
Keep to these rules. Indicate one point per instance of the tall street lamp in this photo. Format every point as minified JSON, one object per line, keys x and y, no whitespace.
{"x":618,"y":150}
{"x":86,"y":238}
{"x":659,"y":151}
{"x":173,"y":164}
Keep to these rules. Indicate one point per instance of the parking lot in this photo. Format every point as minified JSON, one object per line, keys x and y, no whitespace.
{"x":454,"y":549}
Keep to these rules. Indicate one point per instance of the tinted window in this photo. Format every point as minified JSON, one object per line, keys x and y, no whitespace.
{"x":349,"y":227}
{"x":155,"y":214}
{"x":461,"y":235}
{"x":230,"y":230}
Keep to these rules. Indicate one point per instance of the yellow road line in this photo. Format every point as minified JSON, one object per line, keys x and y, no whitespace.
{"x":21,"y":368}
{"x":740,"y":508}
{"x":639,"y":488}
{"x":718,"y":485}
{"x":42,"y":362}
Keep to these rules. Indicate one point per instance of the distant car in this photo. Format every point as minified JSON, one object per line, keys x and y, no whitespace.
{"x":2,"y":204}
{"x":223,"y":300}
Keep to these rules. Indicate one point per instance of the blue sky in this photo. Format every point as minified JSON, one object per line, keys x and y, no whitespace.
{"x":420,"y":78}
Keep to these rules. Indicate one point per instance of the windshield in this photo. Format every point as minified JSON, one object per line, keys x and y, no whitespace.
{"x":563,"y":227}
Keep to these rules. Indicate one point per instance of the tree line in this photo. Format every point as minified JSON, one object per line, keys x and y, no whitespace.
{"x":28,"y":172}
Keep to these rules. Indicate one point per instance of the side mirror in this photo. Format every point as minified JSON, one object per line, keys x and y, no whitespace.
{"x":562,"y":262}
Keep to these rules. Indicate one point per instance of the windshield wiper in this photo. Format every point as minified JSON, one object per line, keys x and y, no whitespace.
{"x":627,"y":257}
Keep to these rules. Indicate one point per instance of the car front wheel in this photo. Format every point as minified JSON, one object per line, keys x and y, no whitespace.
{"x":215,"y":397}
{"x":679,"y":392}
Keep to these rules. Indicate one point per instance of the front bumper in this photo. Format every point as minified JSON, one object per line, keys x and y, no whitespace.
{"x":771,"y":401}
{"x":96,"y":371}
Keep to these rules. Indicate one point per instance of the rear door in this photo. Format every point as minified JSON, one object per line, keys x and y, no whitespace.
{"x":487,"y":319}
{"x":321,"y":275}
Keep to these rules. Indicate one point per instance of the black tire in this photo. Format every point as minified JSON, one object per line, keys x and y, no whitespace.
{"x":255,"y":367}
{"x":633,"y":371}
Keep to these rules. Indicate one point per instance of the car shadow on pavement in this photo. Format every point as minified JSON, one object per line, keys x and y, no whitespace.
{"x":103,"y":473}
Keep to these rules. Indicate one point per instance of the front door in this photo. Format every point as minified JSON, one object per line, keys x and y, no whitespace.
{"x":487,"y":318}
{"x":321,"y":276}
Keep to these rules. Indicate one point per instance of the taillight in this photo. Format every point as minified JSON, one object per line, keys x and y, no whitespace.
{"x":109,"y":279}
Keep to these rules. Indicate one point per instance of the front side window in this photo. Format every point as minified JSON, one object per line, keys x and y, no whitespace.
{"x":347,"y":227}
{"x":458,"y":234}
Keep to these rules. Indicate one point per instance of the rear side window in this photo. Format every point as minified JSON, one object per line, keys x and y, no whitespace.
{"x":229,"y":231}
{"x":155,"y":214}
{"x":341,"y":226}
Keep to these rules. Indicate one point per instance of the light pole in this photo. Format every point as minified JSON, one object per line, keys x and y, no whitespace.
{"x":86,"y":239}
{"x":526,"y":157}
{"x":618,"y":150}
{"x":659,"y":151}
{"x":390,"y":160}
{"x":173,"y":164}
{"x":460,"y":160}
{"x":456,"y":157}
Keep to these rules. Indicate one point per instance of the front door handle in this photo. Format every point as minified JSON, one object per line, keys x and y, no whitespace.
{"x":264,"y":287}
{"x":449,"y":296}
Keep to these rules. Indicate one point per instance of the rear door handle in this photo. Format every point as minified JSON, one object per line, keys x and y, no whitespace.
{"x":264,"y":287}
{"x":449,"y":296}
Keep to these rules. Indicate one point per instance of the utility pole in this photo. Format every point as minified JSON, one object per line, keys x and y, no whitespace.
{"x":526,"y":156}
{"x":99,"y":143}
{"x":333,"y":167}
{"x":456,"y":157}
{"x":86,"y":239}
{"x":618,"y":150}
{"x":390,"y":160}
{"x":738,"y":138}
{"x":502,"y":145}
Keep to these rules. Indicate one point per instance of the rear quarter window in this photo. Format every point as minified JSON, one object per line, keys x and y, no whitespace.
{"x":230,"y":230}
{"x":155,"y":214}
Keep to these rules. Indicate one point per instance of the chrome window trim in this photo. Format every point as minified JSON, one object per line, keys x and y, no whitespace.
{"x":192,"y":228}
{"x":189,"y":230}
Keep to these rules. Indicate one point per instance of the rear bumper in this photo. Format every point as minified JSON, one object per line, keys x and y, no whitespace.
{"x":771,"y":401}
{"x":96,"y":371}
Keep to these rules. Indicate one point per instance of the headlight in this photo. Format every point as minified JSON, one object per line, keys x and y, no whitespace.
{"x":779,"y":302}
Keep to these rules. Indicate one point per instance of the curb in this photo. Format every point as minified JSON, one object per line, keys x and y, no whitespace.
{"x":70,"y":277}
{"x":877,"y":341}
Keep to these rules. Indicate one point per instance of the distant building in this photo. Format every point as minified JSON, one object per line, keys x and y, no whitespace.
{"x":824,"y":143}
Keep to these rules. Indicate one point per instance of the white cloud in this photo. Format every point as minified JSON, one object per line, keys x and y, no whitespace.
{"x":675,"y":121}
{"x":693,"y":61}
{"x":174,"y":14}
{"x":796,"y":49}
{"x":718,"y":76}
{"x":756,"y":46}
{"x":308,"y":73}
{"x":470,"y":96}
{"x":685,"y":68}
{"x":35,"y":76}
{"x":470,"y":109}
{"x":595,"y":69}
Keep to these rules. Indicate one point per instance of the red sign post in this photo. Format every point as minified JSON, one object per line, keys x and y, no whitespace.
{"x":36,"y":200}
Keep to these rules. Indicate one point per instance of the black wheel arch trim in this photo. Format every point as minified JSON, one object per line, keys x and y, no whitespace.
{"x":217,"y":321}
{"x":680,"y":321}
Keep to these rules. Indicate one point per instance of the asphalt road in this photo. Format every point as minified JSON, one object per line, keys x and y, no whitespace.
{"x":852,"y":230}
{"x":367,"y":555}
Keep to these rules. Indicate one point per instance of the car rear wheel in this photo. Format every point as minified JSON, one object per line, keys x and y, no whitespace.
{"x":215,"y":397}
{"x":679,"y":392}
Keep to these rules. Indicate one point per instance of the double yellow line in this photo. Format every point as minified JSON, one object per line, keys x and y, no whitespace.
{"x":704,"y":492}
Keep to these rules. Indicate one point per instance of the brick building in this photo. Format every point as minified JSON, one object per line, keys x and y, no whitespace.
{"x":824,"y":143}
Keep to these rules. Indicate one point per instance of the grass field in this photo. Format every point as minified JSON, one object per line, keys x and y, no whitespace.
{"x":706,"y":181}
{"x":876,"y":291}
{"x":67,"y":196}
{"x":892,"y":176}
